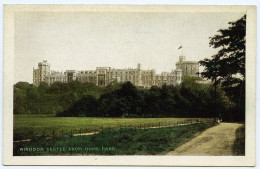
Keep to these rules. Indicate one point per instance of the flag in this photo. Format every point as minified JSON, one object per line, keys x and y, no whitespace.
{"x":180,"y":47}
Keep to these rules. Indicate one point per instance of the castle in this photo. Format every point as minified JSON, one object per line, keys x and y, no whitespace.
{"x":189,"y":68}
{"x":103,"y":76}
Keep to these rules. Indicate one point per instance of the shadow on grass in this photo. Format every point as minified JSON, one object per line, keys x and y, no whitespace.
{"x":239,"y":146}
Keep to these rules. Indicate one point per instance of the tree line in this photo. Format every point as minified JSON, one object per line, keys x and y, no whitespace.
{"x":190,"y":99}
{"x":74,"y":99}
{"x":44,"y":99}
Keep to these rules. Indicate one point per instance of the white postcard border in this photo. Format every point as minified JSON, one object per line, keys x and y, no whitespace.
{"x":247,"y":160}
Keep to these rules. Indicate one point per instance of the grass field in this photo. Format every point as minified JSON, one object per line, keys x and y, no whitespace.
{"x":124,"y":141}
{"x":32,"y":126}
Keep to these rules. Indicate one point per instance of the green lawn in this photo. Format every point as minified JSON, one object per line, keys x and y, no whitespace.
{"x":31,"y":126}
{"x":124,"y":141}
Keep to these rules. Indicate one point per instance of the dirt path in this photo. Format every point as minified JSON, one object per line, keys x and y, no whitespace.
{"x":217,"y":140}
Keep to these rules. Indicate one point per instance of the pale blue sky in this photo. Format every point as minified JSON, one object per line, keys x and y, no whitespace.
{"x":86,"y":40}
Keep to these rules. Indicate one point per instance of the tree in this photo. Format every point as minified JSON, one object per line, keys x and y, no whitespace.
{"x":227,"y":67}
{"x":133,"y":97}
{"x":152,"y":101}
{"x":167,"y":101}
{"x":42,"y":88}
{"x":111,"y":104}
{"x":87,"y":106}
{"x":22,"y":85}
{"x":112,"y":87}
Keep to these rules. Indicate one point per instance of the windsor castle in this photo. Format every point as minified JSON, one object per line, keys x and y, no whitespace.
{"x":103,"y":76}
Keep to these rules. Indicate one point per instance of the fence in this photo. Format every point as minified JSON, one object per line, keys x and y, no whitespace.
{"x":121,"y":128}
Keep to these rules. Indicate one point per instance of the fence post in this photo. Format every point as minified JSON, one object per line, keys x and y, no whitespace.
{"x":159,"y":124}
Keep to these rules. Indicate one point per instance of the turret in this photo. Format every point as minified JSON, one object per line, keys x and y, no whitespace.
{"x":178,"y":76}
{"x":41,"y":72}
{"x":182,"y":58}
{"x":139,"y":75}
{"x":138,"y":66}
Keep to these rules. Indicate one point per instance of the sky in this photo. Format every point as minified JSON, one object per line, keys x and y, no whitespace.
{"x":86,"y":40}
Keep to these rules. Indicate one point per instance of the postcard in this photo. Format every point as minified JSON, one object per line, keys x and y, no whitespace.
{"x":135,"y":85}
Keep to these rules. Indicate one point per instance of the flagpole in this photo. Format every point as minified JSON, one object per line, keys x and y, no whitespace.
{"x":181,"y":49}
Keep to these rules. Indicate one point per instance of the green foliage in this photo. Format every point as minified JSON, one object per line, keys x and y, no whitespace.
{"x":227,"y":67}
{"x":44,"y":99}
{"x":151,"y":101}
{"x":112,"y":87}
{"x":230,"y":59}
{"x":191,"y":82}
{"x":112,"y":104}
{"x":129,"y":141}
{"x":86,"y":106}
{"x":22,"y":85}
{"x":125,"y":100}
{"x":190,"y":99}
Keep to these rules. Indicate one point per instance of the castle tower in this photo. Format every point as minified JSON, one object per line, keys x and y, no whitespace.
{"x":41,"y":72}
{"x":182,"y":58}
{"x":178,"y":76}
{"x":138,"y":66}
{"x":139,"y":75}
{"x":189,"y":68}
{"x":44,"y":69}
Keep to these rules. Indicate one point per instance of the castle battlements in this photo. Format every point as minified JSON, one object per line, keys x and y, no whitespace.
{"x":103,"y":76}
